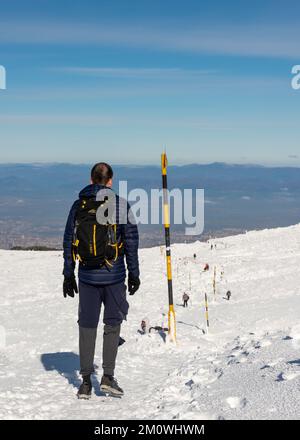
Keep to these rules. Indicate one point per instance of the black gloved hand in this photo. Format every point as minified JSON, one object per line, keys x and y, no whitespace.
{"x":70,"y":286}
{"x":133,"y":285}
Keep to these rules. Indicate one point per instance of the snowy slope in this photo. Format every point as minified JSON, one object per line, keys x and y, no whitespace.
{"x":247,"y":367}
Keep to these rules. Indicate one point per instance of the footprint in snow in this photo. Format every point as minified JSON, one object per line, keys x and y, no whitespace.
{"x":264,"y":367}
{"x":236,"y":402}
{"x":287,"y":376}
{"x":242,"y":359}
{"x":263,"y":343}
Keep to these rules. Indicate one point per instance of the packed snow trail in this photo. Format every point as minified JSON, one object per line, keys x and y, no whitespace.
{"x":247,"y":367}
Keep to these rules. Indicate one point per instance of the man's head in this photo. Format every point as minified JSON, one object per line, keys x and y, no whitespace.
{"x":102,"y":174}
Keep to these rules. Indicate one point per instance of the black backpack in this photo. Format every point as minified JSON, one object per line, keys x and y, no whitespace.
{"x":94,"y":244}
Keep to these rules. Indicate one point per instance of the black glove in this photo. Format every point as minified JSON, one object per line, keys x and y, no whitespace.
{"x":70,"y":286}
{"x":133,"y":285}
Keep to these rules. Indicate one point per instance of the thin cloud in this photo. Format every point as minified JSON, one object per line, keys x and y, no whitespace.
{"x":139,"y":72}
{"x":57,"y":119}
{"x":279,"y":41}
{"x":168,"y":84}
{"x":110,"y":120}
{"x":193,"y":78}
{"x":135,"y":119}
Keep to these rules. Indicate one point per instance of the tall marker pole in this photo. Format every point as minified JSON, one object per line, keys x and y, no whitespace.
{"x":214,"y":282}
{"x":206,"y":312}
{"x":171,"y":314}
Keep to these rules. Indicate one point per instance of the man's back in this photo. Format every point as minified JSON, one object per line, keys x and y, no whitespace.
{"x":126,"y":233}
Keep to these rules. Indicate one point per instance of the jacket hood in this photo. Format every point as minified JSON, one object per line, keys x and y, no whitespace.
{"x":91,"y":191}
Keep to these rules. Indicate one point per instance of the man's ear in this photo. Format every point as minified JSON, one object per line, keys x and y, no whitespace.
{"x":109,"y":183}
{"x":91,"y":182}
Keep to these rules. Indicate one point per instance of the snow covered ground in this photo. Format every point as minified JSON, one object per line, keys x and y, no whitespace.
{"x":247,"y":367}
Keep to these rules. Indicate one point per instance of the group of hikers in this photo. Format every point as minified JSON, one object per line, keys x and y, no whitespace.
{"x":186,"y":298}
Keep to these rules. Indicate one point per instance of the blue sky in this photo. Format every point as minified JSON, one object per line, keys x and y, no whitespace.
{"x":120,"y":80}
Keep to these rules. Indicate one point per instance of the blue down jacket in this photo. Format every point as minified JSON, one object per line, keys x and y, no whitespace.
{"x":128,"y":233}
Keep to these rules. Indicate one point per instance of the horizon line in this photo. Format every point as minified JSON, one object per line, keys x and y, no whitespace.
{"x":140,"y":165}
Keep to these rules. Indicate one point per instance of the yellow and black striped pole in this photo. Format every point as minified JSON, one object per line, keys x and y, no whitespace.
{"x":214,"y":282}
{"x":171,"y":314}
{"x":206,"y":312}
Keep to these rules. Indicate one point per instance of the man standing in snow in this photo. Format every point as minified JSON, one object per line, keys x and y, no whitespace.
{"x":100,"y":249}
{"x":185,"y":299}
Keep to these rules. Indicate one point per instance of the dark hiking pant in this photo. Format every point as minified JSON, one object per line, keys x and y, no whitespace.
{"x":113,"y":297}
{"x":185,"y":303}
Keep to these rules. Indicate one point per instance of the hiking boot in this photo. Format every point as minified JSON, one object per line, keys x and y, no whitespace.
{"x":109,"y":385}
{"x":85,"y":389}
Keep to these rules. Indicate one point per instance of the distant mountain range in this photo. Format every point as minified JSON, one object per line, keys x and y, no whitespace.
{"x":35,"y":198}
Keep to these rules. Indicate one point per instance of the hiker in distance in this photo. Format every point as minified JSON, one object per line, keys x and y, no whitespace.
{"x":185,"y":299}
{"x":100,"y":233}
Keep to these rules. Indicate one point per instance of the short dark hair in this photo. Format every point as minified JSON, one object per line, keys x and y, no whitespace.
{"x":101,"y":173}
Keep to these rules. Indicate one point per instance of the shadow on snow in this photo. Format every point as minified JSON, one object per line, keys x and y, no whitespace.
{"x":67,"y":365}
